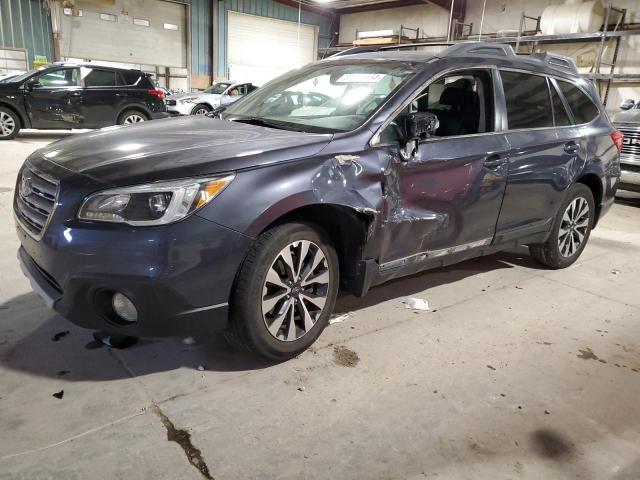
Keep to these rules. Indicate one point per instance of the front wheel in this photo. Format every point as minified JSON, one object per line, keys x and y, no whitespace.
{"x":200,"y":109}
{"x":284,"y":292}
{"x":570,"y":232}
{"x":9,"y":124}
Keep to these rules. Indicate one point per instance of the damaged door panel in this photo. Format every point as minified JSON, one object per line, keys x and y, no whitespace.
{"x":447,"y":197}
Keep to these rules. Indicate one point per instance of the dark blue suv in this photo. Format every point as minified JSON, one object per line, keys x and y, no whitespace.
{"x":343,"y":174}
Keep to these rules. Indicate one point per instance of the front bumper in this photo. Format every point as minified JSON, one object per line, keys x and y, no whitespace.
{"x":180,"y":108}
{"x":179,"y":276}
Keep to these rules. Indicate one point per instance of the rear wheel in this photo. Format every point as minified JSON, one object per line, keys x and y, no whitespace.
{"x":285,"y":291}
{"x":570,"y":232}
{"x":132,"y":116}
{"x":9,"y":124}
{"x":200,"y":109}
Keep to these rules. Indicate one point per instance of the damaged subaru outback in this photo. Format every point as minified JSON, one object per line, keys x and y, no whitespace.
{"x":342,"y":174}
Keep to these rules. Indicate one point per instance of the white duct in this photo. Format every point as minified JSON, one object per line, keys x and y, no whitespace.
{"x":573,"y":16}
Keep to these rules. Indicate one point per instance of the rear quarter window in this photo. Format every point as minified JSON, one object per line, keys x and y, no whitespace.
{"x":133,"y":78}
{"x":582,"y":107}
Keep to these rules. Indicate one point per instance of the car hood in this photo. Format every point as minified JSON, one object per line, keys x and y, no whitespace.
{"x":628,"y":116}
{"x":178,"y":147}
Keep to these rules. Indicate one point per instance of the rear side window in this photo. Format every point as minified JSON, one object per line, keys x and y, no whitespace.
{"x":559,"y":112}
{"x":582,"y":107}
{"x":130,"y":78}
{"x":528,"y":102}
{"x":95,"y":77}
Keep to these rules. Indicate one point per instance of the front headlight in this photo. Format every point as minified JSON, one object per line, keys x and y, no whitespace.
{"x":154,"y":203}
{"x":188,"y":99}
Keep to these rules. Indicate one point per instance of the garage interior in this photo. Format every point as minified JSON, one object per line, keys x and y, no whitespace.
{"x":514,"y":370}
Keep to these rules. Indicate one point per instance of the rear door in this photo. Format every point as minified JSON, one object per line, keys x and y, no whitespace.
{"x":545,"y":153}
{"x":54,"y":100}
{"x":101,"y":97}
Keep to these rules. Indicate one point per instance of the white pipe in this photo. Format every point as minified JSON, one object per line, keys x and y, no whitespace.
{"x":450,"y":21}
{"x":484,"y":5}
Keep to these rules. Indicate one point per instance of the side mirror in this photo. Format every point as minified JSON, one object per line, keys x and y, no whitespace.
{"x":627,"y":104}
{"x":418,"y":126}
{"x":31,"y":83}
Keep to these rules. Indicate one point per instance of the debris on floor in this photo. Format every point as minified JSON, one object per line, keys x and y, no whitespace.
{"x":301,"y":389}
{"x":615,"y":272}
{"x":189,"y":340}
{"x":344,"y":357}
{"x":200,"y":368}
{"x":60,"y":335}
{"x":59,"y":394}
{"x":416,"y":303}
{"x":115,"y":340}
{"x":338,"y":318}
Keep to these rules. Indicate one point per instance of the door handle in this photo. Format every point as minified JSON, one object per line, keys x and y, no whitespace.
{"x":571,"y":147}
{"x":493,"y":161}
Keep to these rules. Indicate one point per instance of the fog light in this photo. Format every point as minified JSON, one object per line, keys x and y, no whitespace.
{"x":124,"y":307}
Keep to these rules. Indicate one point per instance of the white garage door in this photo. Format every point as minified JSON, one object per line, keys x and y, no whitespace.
{"x":147,"y":32}
{"x":260,"y":48}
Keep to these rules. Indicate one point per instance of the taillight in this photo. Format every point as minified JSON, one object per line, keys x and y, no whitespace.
{"x":157,"y":93}
{"x":617,"y":139}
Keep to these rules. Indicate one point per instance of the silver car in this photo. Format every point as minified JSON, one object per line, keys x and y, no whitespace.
{"x":628,"y":122}
{"x":217,"y":95}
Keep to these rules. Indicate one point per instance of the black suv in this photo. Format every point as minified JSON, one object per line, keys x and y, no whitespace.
{"x":65,"y":96}
{"x":254,"y":221}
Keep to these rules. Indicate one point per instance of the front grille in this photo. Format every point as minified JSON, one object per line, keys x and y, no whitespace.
{"x":35,"y":199}
{"x":631,"y":140}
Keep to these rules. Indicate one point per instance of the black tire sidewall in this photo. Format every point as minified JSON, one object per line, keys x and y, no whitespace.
{"x":16,"y":121}
{"x":126,"y":113}
{"x":198,"y":107}
{"x":246,"y":302}
{"x":577,"y":190}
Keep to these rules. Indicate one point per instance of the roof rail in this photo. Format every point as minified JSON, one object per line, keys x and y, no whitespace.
{"x":478,"y":48}
{"x":558,"y":61}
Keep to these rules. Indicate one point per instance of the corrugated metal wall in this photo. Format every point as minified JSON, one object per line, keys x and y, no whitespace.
{"x":265,"y":8}
{"x":201,"y":32}
{"x":26,"y":24}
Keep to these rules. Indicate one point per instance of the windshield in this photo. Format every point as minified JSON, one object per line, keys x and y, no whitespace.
{"x":324,"y":97}
{"x":218,"y":88}
{"x":24,"y":76}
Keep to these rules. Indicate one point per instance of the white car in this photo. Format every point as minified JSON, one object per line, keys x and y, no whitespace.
{"x":216,"y":95}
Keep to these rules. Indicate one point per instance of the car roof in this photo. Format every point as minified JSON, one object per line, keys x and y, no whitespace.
{"x":95,"y":65}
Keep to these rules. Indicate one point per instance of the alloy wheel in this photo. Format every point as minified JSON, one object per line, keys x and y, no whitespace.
{"x":133,"y":118}
{"x":201,"y":111}
{"x":295,"y":290}
{"x":574,"y":227}
{"x":7,"y":124}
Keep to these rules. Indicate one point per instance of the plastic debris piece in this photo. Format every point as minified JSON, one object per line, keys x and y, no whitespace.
{"x":416,"y":303}
{"x":59,"y":394}
{"x":301,"y":389}
{"x":189,"y":340}
{"x":60,"y":335}
{"x":615,"y":271}
{"x":201,"y":368}
{"x":115,"y":340}
{"x":338,"y":318}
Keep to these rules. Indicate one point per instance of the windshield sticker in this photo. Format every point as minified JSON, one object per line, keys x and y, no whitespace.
{"x":361,"y":77}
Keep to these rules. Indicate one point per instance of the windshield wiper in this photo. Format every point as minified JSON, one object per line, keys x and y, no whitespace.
{"x":263,"y":122}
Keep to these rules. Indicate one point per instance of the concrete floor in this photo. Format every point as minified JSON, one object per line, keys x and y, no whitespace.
{"x":516,"y":372}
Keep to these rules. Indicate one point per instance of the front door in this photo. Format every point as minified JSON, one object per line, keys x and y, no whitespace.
{"x":53,"y":100}
{"x":446,"y":197}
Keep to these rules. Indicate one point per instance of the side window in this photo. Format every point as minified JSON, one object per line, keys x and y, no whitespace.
{"x":581,"y":105}
{"x":62,"y":77}
{"x":528,"y":102}
{"x":96,"y":77}
{"x":462,"y":101}
{"x":559,"y":112}
{"x":242,"y":89}
{"x":128,"y":78}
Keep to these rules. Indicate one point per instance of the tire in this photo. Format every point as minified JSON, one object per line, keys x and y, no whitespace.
{"x":129,"y":117}
{"x":264,"y":300}
{"x":570,"y":232}
{"x":9,"y":124}
{"x":201,"y":109}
